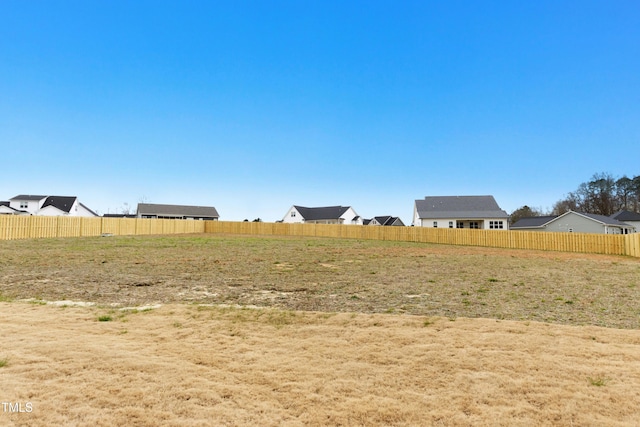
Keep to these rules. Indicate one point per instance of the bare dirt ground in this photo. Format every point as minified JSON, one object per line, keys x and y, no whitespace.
{"x":349,"y":333}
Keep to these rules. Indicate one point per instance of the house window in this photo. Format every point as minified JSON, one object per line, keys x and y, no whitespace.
{"x":24,"y":205}
{"x":450,"y":224}
{"x":496,"y":225}
{"x":435,"y":224}
{"x":293,"y":214}
{"x":473,"y":224}
{"x":459,"y":224}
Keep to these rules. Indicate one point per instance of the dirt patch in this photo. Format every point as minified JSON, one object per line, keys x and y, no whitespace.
{"x":332,"y":275}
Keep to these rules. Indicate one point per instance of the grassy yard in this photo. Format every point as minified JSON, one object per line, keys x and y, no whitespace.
{"x":330,"y":275}
{"x":225,"y":330}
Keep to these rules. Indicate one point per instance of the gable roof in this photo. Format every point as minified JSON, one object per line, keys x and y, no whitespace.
{"x":27,"y":197}
{"x":177,"y":210}
{"x":327,"y":212}
{"x":601,"y":218}
{"x":626,"y":216}
{"x":533,"y":221}
{"x":382,"y":220}
{"x":62,"y":203}
{"x":459,"y":207}
{"x":387,"y":220}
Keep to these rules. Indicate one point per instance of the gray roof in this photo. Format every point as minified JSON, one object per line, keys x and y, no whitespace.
{"x":327,"y":212}
{"x":388,"y":220}
{"x":459,"y":207}
{"x":626,"y":216}
{"x":64,"y":203}
{"x":27,"y":197}
{"x":177,"y":210}
{"x":604,"y":219}
{"x":532,"y":221}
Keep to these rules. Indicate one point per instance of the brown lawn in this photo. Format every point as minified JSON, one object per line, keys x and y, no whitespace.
{"x":348,"y":333}
{"x":188,"y":365}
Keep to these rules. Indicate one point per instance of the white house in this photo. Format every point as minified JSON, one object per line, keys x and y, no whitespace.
{"x":49,"y":206}
{"x":574,"y":222}
{"x":481,"y":212}
{"x":323,"y":215}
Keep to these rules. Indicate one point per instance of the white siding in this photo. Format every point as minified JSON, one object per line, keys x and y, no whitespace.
{"x":348,"y":217}
{"x":483,"y":223}
{"x":50,"y":211}
{"x":32,"y":206}
{"x":293,"y":216}
{"x":83,"y":211}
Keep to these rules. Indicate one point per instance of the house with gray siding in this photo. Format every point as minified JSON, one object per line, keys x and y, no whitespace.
{"x":631,"y":218}
{"x":479,"y":212}
{"x":574,"y":222}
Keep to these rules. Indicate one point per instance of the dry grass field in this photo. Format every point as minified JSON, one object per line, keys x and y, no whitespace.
{"x":308,"y":331}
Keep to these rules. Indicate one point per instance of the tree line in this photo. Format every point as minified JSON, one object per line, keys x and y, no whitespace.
{"x":602,"y":195}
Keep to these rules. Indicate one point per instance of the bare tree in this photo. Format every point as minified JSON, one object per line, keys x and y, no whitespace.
{"x":126,"y":209}
{"x":603,"y":195}
{"x":624,"y":193}
{"x":524,"y":212}
{"x":565,"y":205}
{"x":636,"y":193}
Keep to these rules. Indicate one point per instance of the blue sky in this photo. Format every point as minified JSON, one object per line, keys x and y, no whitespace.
{"x":254,"y":106}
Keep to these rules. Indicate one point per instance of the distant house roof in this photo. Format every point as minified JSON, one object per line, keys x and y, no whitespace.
{"x":322,"y":213}
{"x":63,"y":203}
{"x":459,"y":207}
{"x":177,"y":210}
{"x":387,"y":220}
{"x":603,"y":219}
{"x":27,"y":197}
{"x":626,"y":216}
{"x":532,"y":221}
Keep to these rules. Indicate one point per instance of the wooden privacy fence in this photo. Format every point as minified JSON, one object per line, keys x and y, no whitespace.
{"x":611,"y":244}
{"x":30,"y":227}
